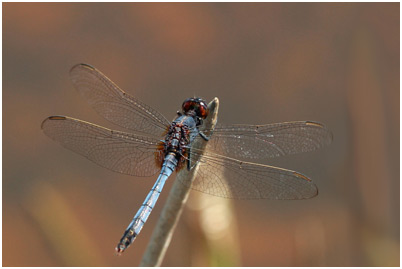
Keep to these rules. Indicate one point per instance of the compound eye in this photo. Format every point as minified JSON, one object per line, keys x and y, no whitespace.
{"x":196,"y":104}
{"x":203,"y":110}
{"x":188,"y":104}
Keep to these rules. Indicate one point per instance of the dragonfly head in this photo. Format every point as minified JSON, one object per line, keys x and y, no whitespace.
{"x":195,"y":107}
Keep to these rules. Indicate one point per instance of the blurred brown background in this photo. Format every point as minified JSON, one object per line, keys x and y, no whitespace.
{"x":337,"y":63}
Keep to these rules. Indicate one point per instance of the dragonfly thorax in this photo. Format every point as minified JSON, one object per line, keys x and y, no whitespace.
{"x":178,"y":136}
{"x":177,"y":140}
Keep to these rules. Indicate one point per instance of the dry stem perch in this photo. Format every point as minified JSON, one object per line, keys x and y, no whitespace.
{"x":178,"y":195}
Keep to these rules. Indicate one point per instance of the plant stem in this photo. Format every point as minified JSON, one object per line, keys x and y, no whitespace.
{"x":178,"y":195}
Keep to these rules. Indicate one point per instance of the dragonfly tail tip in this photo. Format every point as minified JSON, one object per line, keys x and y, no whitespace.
{"x":119,"y":250}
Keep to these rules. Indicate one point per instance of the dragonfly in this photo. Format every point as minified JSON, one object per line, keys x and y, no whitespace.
{"x":226,"y":167}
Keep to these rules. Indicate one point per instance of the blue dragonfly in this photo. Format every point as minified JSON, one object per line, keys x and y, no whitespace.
{"x":154,"y":144}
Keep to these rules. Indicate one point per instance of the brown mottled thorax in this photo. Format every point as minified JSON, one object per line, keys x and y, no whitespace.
{"x":176,"y":142}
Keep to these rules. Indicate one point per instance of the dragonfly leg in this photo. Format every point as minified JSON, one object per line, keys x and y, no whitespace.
{"x":204,"y":136}
{"x":189,"y":163}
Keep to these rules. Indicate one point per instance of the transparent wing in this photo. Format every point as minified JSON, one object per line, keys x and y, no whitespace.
{"x":268,"y":141}
{"x":118,"y":151}
{"x":114,"y":104}
{"x":230,"y":178}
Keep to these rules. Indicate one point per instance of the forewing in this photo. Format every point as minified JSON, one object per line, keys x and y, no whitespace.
{"x":114,"y":104}
{"x":229,"y":178}
{"x":268,"y":141}
{"x":121,"y":152}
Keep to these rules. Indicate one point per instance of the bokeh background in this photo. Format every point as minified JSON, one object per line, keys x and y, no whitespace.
{"x":337,"y":63}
